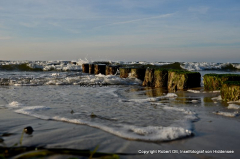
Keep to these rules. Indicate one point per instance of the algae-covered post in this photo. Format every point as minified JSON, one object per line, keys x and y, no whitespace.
{"x":111,"y":70}
{"x":149,"y":78}
{"x":85,"y":68}
{"x":124,"y":71}
{"x":138,"y":73}
{"x":230,"y":91}
{"x":183,"y":79}
{"x":91,"y":68}
{"x":215,"y":81}
{"x":100,"y":68}
{"x":160,"y":78}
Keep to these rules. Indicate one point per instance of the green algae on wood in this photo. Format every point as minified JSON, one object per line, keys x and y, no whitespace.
{"x":111,"y":70}
{"x":85,"y":68}
{"x":124,"y":71}
{"x":183,"y":79}
{"x":20,"y":67}
{"x":149,"y":78}
{"x":160,"y":78}
{"x":215,"y":81}
{"x":230,"y":91}
{"x":156,"y":77}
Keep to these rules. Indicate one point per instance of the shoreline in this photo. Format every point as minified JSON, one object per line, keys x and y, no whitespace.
{"x":219,"y":134}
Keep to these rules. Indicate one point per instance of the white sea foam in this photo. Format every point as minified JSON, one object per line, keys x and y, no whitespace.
{"x":14,"y":104}
{"x":30,"y":110}
{"x":198,"y":66}
{"x":217,"y":98}
{"x":233,"y":106}
{"x":150,"y":133}
{"x":194,"y":101}
{"x":193,"y":91}
{"x":227,"y":114}
{"x":152,"y":99}
{"x":170,"y":95}
{"x":132,"y":132}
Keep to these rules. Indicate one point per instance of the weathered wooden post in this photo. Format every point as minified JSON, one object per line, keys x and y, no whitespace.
{"x":99,"y":68}
{"x":85,"y":68}
{"x":111,"y":70}
{"x":230,"y":91}
{"x":160,"y":77}
{"x":183,"y":79}
{"x":149,"y":78}
{"x":215,"y":81}
{"x":91,"y":68}
{"x":124,"y":71}
{"x":138,"y":73}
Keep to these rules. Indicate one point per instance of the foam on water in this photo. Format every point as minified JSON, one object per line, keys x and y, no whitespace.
{"x":233,"y":106}
{"x":194,"y":91}
{"x":14,"y":104}
{"x":30,"y":110}
{"x":152,"y":99}
{"x":148,"y":133}
{"x":217,"y":98}
{"x":227,"y":114}
{"x":108,"y":118}
{"x":199,"y":66}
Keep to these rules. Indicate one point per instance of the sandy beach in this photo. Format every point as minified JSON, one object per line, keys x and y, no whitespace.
{"x":211,"y":132}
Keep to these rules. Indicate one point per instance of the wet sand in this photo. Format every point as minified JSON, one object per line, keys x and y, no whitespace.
{"x":212,"y":132}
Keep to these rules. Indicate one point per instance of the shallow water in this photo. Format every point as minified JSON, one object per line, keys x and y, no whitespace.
{"x":122,"y":107}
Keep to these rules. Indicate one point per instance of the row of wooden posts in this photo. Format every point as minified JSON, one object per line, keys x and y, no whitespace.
{"x":229,"y":84}
{"x":151,"y":77}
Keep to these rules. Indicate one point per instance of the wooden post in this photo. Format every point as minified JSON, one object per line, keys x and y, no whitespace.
{"x":99,"y":68}
{"x":183,"y":79}
{"x":85,"y":68}
{"x":91,"y":68}
{"x":111,"y":70}
{"x":124,"y":71}
{"x":138,"y":73}
{"x":149,"y":78}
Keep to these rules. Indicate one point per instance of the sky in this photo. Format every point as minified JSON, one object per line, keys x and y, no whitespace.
{"x":121,"y":30}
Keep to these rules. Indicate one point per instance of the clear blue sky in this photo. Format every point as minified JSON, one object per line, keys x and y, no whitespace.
{"x":139,"y":30}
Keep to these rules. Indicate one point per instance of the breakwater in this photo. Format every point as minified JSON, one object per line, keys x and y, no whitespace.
{"x":152,"y":76}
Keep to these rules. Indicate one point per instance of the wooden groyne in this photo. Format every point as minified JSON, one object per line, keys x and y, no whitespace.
{"x":172,"y":79}
{"x":228,"y":84}
{"x":215,"y":81}
{"x":230,"y":91}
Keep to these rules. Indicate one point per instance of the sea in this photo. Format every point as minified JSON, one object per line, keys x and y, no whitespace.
{"x":60,"y":91}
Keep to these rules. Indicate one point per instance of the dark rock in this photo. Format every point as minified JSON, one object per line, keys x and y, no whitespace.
{"x":28,"y":130}
{"x":93,"y":115}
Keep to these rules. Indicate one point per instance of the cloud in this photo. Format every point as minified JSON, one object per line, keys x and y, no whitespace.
{"x":143,"y":19}
{"x":201,"y":10}
{"x":138,"y":20}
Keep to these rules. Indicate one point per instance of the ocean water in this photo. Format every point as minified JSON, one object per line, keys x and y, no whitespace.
{"x":53,"y":90}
